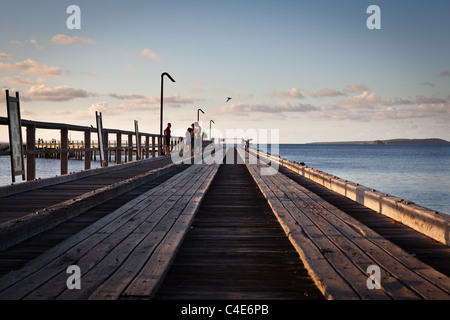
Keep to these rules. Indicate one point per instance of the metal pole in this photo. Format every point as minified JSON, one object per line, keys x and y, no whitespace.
{"x":198,"y":114}
{"x":210,"y":121}
{"x":161,"y":115}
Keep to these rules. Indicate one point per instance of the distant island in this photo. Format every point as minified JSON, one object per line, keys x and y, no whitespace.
{"x":432,"y":141}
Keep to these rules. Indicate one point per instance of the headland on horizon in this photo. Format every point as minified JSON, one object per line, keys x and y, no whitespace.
{"x":430,"y":141}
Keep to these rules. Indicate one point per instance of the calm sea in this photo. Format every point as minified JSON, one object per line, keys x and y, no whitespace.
{"x":418,"y":173}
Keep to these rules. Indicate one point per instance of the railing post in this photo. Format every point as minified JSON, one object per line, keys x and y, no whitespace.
{"x":130,"y":147}
{"x":87,"y":153}
{"x":138,"y":148}
{"x":106,"y":144}
{"x":160,"y":146}
{"x":147,"y":147}
{"x":64,"y":155}
{"x":31,"y":158}
{"x":153,"y":146}
{"x":119,"y":148}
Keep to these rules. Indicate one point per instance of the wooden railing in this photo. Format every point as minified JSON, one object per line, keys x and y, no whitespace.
{"x":152,"y":144}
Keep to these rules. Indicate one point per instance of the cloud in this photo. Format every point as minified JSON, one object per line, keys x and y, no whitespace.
{"x":445,"y":73}
{"x":265,"y":108}
{"x":293,"y":93}
{"x":91,"y":74}
{"x":36,"y":44}
{"x":5,"y":56}
{"x":326,"y":93}
{"x":441,"y":110}
{"x":420,"y":99}
{"x":17,"y":80}
{"x":101,"y":106}
{"x":368,"y":100}
{"x":127,"y":96}
{"x":429,"y":84}
{"x":65,"y":40}
{"x":150,"y":54}
{"x":31,"y":67}
{"x":61,"y":93}
{"x":356,"y":87}
{"x":134,"y":102}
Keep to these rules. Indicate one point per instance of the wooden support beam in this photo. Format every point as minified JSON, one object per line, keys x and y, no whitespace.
{"x":64,"y":154}
{"x":31,"y":158}
{"x":119,"y":148}
{"x":130,"y":147}
{"x":87,"y":153}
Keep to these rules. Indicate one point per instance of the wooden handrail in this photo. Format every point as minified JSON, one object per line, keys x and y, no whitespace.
{"x":31,"y":151}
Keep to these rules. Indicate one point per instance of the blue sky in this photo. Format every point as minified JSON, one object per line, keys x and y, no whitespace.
{"x":311,"y":69}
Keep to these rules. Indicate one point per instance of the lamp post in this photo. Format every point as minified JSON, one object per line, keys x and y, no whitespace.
{"x":161,"y":116}
{"x":210,"y":121}
{"x":198,"y":114}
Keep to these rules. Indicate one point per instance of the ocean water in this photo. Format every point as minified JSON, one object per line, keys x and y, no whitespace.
{"x":418,"y":173}
{"x":45,"y":168}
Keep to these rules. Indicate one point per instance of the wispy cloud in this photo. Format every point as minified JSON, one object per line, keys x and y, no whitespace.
{"x":326,"y":93}
{"x":101,"y":106}
{"x":150,"y":54}
{"x":17,"y":80}
{"x":357,"y":87}
{"x":368,"y":100}
{"x":60,"y":93}
{"x":37,"y":45}
{"x":31,"y":67}
{"x":427,"y":84}
{"x":5,"y":56}
{"x":32,"y":41}
{"x":420,"y":99}
{"x":293,"y":93}
{"x":240,"y":108}
{"x":65,"y":40}
{"x":141,"y":102}
{"x":445,"y":73}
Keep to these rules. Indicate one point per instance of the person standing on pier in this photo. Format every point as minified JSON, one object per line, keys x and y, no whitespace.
{"x":167,"y":136}
{"x":192,"y":131}
{"x":187,"y":142}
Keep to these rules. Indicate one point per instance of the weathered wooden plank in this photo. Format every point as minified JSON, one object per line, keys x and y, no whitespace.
{"x":117,"y":245}
{"x":359,"y":235}
{"x":395,"y":251}
{"x":73,"y":248}
{"x":151,"y":275}
{"x":233,"y":251}
{"x":346,"y":257}
{"x":100,"y":261}
{"x":332,"y":285}
{"x":399,"y":280}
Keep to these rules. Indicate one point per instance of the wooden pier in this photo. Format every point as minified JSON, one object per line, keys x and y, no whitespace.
{"x":211,"y":231}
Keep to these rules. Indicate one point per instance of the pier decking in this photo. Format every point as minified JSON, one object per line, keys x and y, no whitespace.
{"x":221,"y":232}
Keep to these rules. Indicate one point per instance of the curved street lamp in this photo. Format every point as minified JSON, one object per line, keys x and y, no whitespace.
{"x":198,"y":114}
{"x":161,"y":115}
{"x":210,"y":121}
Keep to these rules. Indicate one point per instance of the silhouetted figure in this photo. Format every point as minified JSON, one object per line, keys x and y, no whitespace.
{"x":167,"y":136}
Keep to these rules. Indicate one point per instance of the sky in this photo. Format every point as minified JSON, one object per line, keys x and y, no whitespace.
{"x":311,"y":70}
